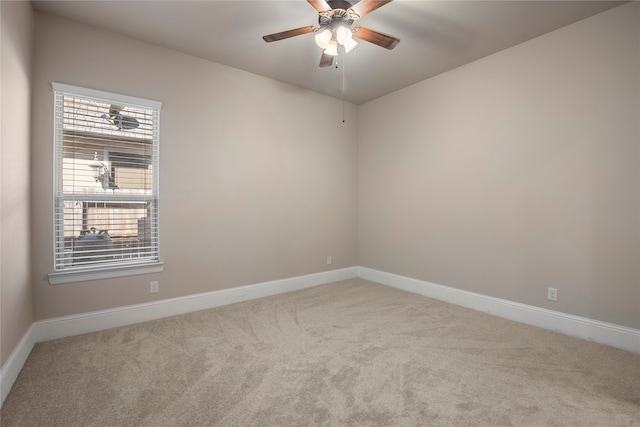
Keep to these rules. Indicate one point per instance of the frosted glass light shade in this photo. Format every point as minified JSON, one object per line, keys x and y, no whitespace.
{"x":323,"y":38}
{"x":332,"y":48}
{"x":349,"y":45}
{"x":343,"y":35}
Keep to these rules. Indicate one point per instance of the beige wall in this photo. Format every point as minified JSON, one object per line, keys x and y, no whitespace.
{"x":515,"y":173}
{"x":16,"y":314}
{"x":257,"y":177}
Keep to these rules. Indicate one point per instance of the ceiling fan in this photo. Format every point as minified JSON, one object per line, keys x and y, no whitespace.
{"x":335,"y":18}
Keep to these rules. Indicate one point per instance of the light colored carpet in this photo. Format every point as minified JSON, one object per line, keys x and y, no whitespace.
{"x":351,"y":353}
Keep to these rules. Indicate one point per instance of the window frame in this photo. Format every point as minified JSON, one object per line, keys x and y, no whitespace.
{"x":115,"y":269}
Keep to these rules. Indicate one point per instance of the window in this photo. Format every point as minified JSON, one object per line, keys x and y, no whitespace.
{"x":105,"y":185}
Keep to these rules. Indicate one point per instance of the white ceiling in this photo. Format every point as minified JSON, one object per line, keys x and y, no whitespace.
{"x":436,"y":36}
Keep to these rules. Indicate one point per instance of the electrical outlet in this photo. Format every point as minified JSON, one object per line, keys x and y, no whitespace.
{"x":154,"y":287}
{"x":552,"y":294}
{"x":329,"y":261}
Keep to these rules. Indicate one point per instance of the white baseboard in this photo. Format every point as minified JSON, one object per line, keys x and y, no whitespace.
{"x":605,"y":333}
{"x":15,"y":362}
{"x":60,"y":327}
{"x":45,"y":330}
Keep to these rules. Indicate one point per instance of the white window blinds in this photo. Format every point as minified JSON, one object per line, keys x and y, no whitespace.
{"x":106,"y":180}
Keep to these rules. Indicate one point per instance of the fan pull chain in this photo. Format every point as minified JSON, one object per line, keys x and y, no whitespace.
{"x":343,"y":62}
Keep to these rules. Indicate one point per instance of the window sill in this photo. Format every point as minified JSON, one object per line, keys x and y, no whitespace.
{"x":60,"y":277}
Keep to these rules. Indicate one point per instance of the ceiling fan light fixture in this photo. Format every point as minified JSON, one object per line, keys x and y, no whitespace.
{"x":349,"y":45}
{"x":335,"y":18}
{"x":323,"y":39}
{"x":343,"y":35}
{"x":332,"y":48}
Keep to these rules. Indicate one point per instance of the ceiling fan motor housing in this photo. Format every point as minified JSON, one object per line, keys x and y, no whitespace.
{"x":340,"y":14}
{"x":339,"y":4}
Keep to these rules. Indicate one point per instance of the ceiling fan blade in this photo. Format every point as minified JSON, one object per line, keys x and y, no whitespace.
{"x":319,"y":5}
{"x":366,"y":6}
{"x":326,"y":60}
{"x":286,"y":34}
{"x":383,"y":40}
